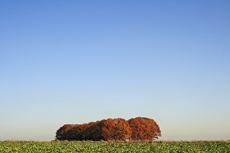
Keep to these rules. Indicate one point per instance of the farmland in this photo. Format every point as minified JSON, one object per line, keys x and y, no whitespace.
{"x":112,"y":146}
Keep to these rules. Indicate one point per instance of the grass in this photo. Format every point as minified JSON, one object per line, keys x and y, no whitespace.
{"x":114,"y":146}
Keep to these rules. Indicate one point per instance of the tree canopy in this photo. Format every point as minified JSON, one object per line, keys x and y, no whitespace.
{"x":139,"y":128}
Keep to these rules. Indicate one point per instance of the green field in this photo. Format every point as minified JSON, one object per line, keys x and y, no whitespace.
{"x":90,"y":146}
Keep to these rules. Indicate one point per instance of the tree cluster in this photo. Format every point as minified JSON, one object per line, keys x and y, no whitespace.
{"x":139,"y":128}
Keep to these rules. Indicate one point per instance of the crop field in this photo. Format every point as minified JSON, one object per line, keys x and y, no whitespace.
{"x":111,"y":146}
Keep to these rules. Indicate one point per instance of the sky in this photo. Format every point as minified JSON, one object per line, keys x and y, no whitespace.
{"x":74,"y":62}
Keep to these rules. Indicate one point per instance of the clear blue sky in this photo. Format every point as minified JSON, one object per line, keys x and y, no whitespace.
{"x":81,"y":61}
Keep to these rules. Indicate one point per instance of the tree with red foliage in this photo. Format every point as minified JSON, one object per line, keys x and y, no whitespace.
{"x":121,"y":130}
{"x":144,"y":128}
{"x":63,"y":132}
{"x":136,"y":128}
{"x":105,"y":128}
{"x":92,"y":132}
{"x":114,"y":129}
{"x":76,"y":133}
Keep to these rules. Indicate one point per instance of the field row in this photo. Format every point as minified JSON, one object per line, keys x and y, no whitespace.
{"x":155,"y":146}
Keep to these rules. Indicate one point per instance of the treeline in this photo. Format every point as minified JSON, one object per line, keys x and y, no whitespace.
{"x":139,"y":128}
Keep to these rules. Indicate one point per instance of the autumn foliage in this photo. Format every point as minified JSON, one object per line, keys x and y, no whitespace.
{"x":140,"y":128}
